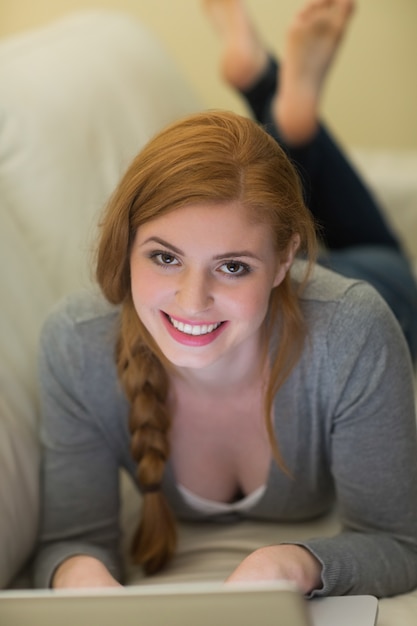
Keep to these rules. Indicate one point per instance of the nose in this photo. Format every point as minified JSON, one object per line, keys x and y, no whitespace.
{"x":194,"y":292}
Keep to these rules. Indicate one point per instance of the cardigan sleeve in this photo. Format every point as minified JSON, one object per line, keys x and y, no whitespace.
{"x":372,"y":452}
{"x":80,"y":478}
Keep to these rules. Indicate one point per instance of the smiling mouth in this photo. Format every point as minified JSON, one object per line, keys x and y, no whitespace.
{"x":193,"y":329}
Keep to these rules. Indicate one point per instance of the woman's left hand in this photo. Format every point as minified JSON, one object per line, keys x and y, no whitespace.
{"x":281,"y":562}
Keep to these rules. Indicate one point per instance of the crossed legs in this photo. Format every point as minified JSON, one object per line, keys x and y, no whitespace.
{"x":285,"y":98}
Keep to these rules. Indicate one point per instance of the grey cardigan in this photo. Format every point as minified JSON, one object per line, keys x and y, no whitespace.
{"x":345,"y":421}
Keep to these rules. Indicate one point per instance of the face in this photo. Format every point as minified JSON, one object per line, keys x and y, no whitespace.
{"x":201,"y":279}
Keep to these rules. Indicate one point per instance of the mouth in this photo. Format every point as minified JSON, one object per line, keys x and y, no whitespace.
{"x":194,"y":330}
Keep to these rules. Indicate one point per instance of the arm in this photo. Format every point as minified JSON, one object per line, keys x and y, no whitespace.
{"x":372,"y":452}
{"x":80,"y":468}
{"x":82,"y":571}
{"x":281,"y":562}
{"x":353,"y":426}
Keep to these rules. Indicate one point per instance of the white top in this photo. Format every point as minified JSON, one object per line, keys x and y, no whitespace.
{"x":212,"y":507}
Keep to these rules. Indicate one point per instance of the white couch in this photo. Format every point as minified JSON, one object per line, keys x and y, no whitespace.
{"x":78,"y":100}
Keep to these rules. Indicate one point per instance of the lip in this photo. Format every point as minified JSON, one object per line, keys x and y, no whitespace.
{"x":192,"y":340}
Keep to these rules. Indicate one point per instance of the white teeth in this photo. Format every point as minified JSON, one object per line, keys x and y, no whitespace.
{"x":194,"y":329}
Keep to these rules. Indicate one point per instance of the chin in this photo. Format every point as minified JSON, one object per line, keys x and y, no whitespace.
{"x":189,"y":361}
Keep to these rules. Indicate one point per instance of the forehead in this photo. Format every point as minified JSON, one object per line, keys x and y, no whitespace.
{"x":215,"y":221}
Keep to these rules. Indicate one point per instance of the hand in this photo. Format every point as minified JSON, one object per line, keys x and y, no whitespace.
{"x":282,"y":562}
{"x":82,"y":572}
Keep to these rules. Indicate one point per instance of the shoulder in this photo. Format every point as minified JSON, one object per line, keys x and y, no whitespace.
{"x":86,"y":308}
{"x":82,"y":323}
{"x":335,"y":299}
{"x":324,"y":285}
{"x":79,"y":387}
{"x":355,"y":354}
{"x":348,"y":321}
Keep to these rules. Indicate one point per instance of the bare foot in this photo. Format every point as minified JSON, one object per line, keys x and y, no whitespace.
{"x":244,"y":56}
{"x":312,"y":41}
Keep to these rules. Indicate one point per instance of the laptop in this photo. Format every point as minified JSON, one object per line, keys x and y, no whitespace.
{"x":184,"y":604}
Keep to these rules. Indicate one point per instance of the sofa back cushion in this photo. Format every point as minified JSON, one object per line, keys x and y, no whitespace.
{"x":25,"y":298}
{"x":78,"y":99}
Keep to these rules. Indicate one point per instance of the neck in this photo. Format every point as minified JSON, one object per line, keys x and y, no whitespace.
{"x":237,"y":370}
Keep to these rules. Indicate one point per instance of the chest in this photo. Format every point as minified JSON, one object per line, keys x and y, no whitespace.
{"x":219,"y":443}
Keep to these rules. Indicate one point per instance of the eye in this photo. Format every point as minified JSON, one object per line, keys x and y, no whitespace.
{"x":164,"y":258}
{"x":235,"y":268}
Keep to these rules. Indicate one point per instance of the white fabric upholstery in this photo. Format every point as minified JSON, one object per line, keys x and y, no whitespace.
{"x":77,"y":99}
{"x":392,"y":174}
{"x":25,"y":297}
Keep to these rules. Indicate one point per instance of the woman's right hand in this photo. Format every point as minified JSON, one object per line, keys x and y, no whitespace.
{"x":82,"y":571}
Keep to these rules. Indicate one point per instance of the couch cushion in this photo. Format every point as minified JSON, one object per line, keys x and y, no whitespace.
{"x":25,"y":297}
{"x":19,"y":460}
{"x":78,"y":99}
{"x":392,"y":175}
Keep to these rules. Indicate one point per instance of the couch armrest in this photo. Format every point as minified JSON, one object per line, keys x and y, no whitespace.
{"x":19,"y":501}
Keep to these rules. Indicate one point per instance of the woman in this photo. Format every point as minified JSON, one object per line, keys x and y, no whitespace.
{"x":286,"y":99}
{"x":219,"y":371}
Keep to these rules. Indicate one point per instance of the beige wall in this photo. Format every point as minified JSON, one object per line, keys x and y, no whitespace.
{"x":370,"y":99}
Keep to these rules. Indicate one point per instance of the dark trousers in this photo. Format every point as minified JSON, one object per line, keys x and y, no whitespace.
{"x":358,"y":241}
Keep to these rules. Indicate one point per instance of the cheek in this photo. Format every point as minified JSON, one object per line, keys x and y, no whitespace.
{"x":145,"y":285}
{"x":251,"y":304}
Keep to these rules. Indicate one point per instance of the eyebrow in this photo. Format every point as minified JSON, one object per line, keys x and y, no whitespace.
{"x":233,"y":254}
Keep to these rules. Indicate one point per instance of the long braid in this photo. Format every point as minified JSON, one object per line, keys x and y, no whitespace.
{"x":145,"y":381}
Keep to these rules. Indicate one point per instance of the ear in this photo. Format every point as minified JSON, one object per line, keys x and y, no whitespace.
{"x":287,"y":259}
